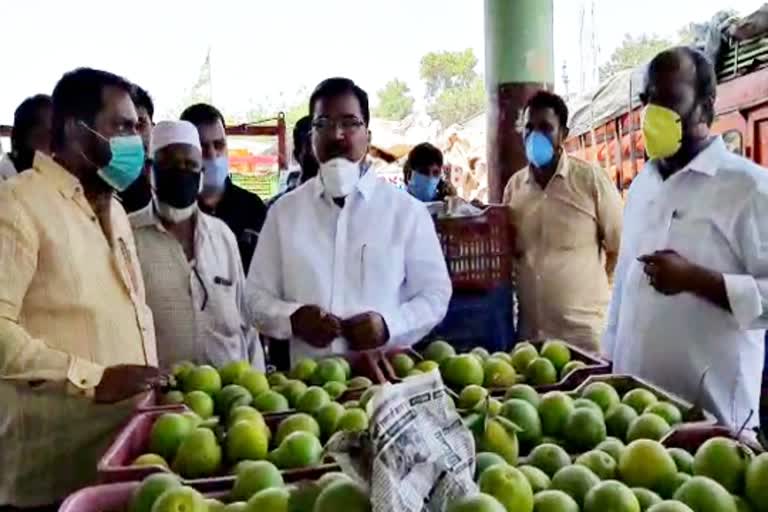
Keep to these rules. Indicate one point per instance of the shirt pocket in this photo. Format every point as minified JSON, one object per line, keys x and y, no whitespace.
{"x":698,"y":238}
{"x":223,"y":311}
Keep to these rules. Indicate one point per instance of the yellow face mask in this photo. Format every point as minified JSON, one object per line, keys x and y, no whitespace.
{"x":663,"y":131}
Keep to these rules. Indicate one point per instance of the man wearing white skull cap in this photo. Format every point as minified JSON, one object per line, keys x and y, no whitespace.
{"x":190,"y":261}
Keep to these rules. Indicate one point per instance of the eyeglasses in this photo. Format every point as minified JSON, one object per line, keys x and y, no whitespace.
{"x":348,"y":124}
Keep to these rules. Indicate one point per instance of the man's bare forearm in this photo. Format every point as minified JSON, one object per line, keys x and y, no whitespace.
{"x":710,"y":286}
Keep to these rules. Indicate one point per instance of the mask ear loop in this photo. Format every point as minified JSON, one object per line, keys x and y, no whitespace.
{"x":82,"y":123}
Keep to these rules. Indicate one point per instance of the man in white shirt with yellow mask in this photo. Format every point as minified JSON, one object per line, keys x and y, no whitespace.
{"x":690,"y":297}
{"x":346,"y":262}
{"x":190,"y":261}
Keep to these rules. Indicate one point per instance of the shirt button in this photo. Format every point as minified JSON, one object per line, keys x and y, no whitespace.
{"x":83,"y":382}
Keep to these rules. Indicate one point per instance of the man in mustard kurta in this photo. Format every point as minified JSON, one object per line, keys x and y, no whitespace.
{"x":568,"y":218}
{"x":77,"y":343}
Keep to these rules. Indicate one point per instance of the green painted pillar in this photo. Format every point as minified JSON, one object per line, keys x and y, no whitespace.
{"x":519,"y":61}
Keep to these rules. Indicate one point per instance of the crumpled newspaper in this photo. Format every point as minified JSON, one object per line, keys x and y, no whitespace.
{"x":417,"y":454}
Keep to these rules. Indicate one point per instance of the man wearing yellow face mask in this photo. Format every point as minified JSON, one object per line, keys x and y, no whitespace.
{"x":690,"y":300}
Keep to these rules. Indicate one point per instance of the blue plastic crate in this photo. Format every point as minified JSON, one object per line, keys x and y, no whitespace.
{"x":479,"y":319}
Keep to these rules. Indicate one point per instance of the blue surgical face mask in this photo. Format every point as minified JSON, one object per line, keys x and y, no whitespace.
{"x":127,"y":160}
{"x":539,"y":149}
{"x":126,"y":163}
{"x":423,"y":187}
{"x":215,"y":172}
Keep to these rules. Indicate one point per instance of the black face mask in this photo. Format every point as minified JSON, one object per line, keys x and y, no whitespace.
{"x":177,"y":188}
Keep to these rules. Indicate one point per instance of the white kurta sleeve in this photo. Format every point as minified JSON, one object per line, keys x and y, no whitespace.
{"x":609,"y":340}
{"x":427,"y":284}
{"x":253,"y":351}
{"x":264,"y":286}
{"x":748,"y":292}
{"x":608,"y":343}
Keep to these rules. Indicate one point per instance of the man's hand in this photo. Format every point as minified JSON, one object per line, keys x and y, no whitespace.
{"x":127,"y":380}
{"x":315,"y":326}
{"x":669,"y":273}
{"x":366,"y":331}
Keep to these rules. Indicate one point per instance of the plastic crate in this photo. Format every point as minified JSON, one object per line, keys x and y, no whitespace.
{"x":115,"y":497}
{"x":692,"y":416}
{"x":480,"y":318}
{"x":594,"y":366}
{"x":133,"y":440}
{"x":151,"y":402}
{"x":478,"y":250}
{"x":363,"y":365}
{"x":386,"y":366}
{"x":691,"y":437}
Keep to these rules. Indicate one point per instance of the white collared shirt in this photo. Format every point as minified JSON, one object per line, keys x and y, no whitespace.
{"x":714,"y":212}
{"x":379,"y":253}
{"x":7,"y":167}
{"x":197,"y":304}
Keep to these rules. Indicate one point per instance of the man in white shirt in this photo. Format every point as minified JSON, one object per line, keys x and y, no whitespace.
{"x":190,"y":261}
{"x":31,"y":132}
{"x":691,"y":288}
{"x":346,"y":261}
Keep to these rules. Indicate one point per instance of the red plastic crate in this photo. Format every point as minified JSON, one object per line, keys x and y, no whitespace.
{"x":115,"y":497}
{"x":692,"y":417}
{"x":363,"y":365}
{"x":133,"y":440}
{"x":691,"y":437}
{"x":595,"y":366}
{"x":151,"y":402}
{"x":478,"y":250}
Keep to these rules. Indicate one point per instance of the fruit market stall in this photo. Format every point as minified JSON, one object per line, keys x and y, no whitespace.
{"x":689,"y":469}
{"x":601,"y":442}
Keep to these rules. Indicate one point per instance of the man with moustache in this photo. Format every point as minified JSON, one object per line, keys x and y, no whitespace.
{"x":346,"y":262}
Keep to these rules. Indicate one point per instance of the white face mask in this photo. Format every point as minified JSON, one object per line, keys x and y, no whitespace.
{"x":172,"y":214}
{"x":339,"y":176}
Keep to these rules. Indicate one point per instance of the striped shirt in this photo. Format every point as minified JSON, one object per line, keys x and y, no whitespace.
{"x":198,"y":305}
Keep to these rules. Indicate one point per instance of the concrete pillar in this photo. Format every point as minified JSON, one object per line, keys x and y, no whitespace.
{"x":519,"y":61}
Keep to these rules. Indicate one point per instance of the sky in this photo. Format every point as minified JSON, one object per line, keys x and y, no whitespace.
{"x":268,"y":51}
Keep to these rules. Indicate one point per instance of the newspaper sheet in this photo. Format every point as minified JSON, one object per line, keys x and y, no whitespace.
{"x":417,"y":454}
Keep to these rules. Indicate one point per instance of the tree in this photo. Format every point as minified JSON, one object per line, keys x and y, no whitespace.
{"x":448,"y":70}
{"x":454,"y":89}
{"x":634,"y":50}
{"x":395,"y":101}
{"x":637,"y":50}
{"x":459,"y":103}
